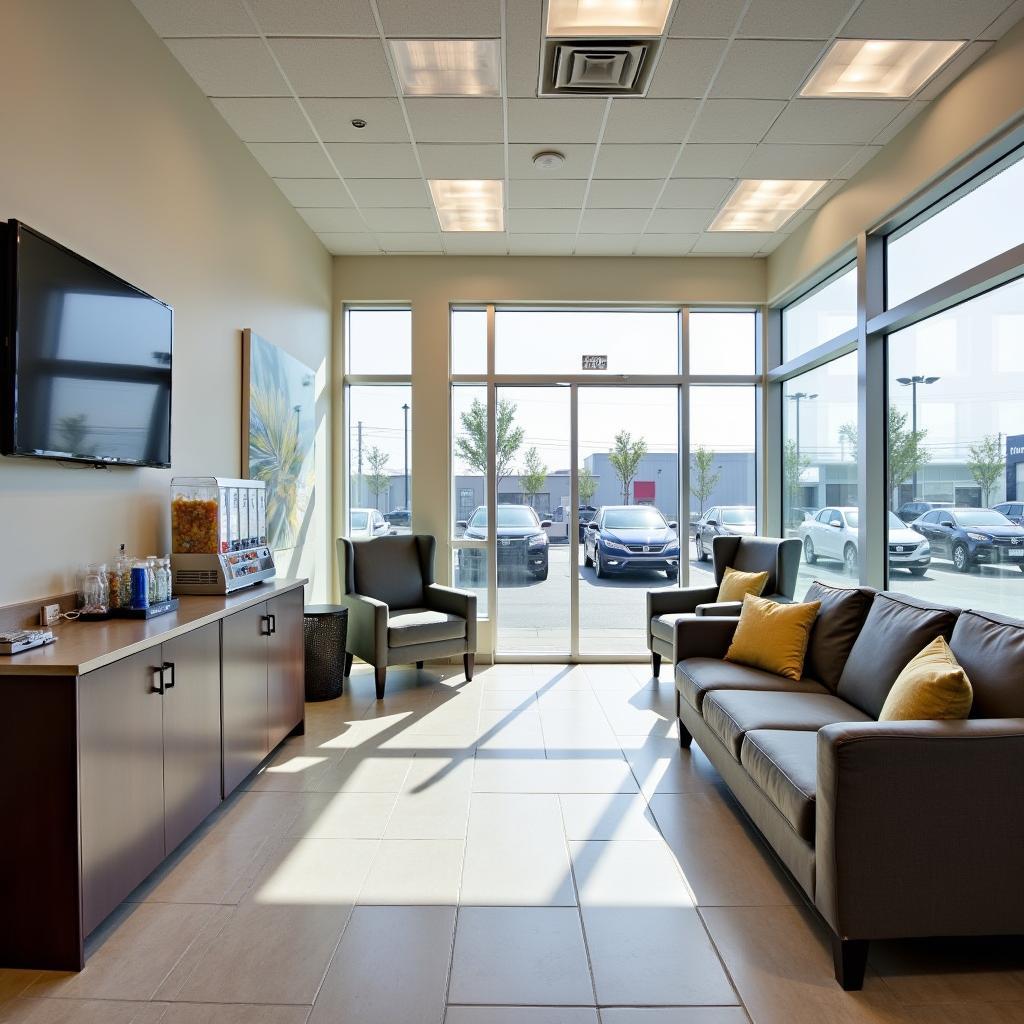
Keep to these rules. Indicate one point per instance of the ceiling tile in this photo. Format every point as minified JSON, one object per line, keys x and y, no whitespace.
{"x":909,"y":112}
{"x":451,"y":19}
{"x":735,"y":120}
{"x":411,"y":242}
{"x":700,"y":18}
{"x":374,"y":159}
{"x":314,"y":192}
{"x":954,"y":69}
{"x":292,"y":159}
{"x":553,"y":121}
{"x":545,"y":194}
{"x":679,"y":222}
{"x":373,"y":192}
{"x":335,"y":67}
{"x":522,"y":50}
{"x":542,"y":221}
{"x":628,"y":193}
{"x":695,"y":193}
{"x":476,"y":243}
{"x":863,"y":156}
{"x":833,"y":121}
{"x":197,"y":17}
{"x":646,"y":120}
{"x":327,"y":220}
{"x":722,"y":160}
{"x":333,"y":119}
{"x":265,"y":119}
{"x":314,"y":17}
{"x":665,"y":245}
{"x":922,"y":19}
{"x":401,"y":219}
{"x":637,"y":161}
{"x":342,"y":244}
{"x":731,"y":243}
{"x":794,"y":19}
{"x":441,"y":161}
{"x":821,"y":197}
{"x":799,"y":162}
{"x":230,"y":67}
{"x":578,"y":162}
{"x":1005,"y":21}
{"x":605,"y":245}
{"x":461,"y":119}
{"x":614,"y":221}
{"x":541,"y":245}
{"x":766,"y":69}
{"x":685,"y":68}
{"x":771,"y":244}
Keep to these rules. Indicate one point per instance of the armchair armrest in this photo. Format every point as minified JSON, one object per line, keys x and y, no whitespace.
{"x":367,"y":627}
{"x":454,"y":602}
{"x":703,"y":637}
{"x":719,"y":608}
{"x":673,"y":602}
{"x":920,"y":828}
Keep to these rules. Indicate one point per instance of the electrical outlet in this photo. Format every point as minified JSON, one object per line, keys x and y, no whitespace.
{"x":49,"y":615}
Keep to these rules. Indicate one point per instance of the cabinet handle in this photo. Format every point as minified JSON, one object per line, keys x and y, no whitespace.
{"x":267,"y":631}
{"x":159,"y":688}
{"x":273,"y":624}
{"x":163,"y":667}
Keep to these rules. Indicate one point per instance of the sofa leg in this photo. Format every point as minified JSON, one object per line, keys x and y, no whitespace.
{"x":380,"y":675}
{"x":468,"y":661}
{"x":850,"y":957}
{"x":655,"y":664}
{"x":419,"y":665}
{"x":685,"y":737}
{"x":348,"y":664}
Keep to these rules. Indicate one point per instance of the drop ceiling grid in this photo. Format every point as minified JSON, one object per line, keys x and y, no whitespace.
{"x":723,"y":105}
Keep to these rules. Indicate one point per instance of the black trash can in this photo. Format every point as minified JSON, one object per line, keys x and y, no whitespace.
{"x":326,"y":629}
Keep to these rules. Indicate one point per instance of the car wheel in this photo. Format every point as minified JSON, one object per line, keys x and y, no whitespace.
{"x":850,"y":559}
{"x":809,"y":556}
{"x":598,"y":566}
{"x":673,"y":574}
{"x":702,"y":555}
{"x":542,"y":574}
{"x":921,"y":572}
{"x":587,"y":560}
{"x":961,"y":560}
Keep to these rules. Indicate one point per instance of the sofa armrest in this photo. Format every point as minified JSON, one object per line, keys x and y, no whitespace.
{"x":719,"y":608}
{"x":703,"y":637}
{"x":675,"y":602}
{"x":367,"y":628}
{"x":920,"y":828}
{"x":454,"y":602}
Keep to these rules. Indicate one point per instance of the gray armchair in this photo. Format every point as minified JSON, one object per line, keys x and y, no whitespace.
{"x":397,"y":614}
{"x":779,"y":558}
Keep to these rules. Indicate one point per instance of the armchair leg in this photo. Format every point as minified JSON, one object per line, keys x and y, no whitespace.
{"x":380,"y":675}
{"x":655,"y":664}
{"x":850,"y":957}
{"x":348,"y":664}
{"x":419,"y":665}
{"x":467,"y":664}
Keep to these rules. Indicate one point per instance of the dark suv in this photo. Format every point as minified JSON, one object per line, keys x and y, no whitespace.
{"x":1013,"y":510}
{"x":973,"y":536}
{"x":911,"y":510}
{"x":522,"y":542}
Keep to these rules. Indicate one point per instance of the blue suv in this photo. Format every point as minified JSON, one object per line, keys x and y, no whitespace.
{"x":973,"y":536}
{"x":621,"y":538}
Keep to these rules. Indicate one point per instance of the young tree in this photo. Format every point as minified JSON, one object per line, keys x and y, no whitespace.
{"x":793,"y":466}
{"x":534,"y":475}
{"x":378,"y":480}
{"x":848,"y":439}
{"x":471,"y":444}
{"x":73,"y":431}
{"x":586,"y":485}
{"x":705,"y":476}
{"x":907,"y":453}
{"x":625,"y":458}
{"x":986,"y":464}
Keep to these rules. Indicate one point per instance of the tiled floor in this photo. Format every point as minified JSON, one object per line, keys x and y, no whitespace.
{"x":529,"y":848}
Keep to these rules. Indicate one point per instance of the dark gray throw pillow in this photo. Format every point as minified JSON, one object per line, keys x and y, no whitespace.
{"x":839,"y":622}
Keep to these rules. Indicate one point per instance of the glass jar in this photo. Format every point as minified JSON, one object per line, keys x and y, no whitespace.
{"x":95,"y":592}
{"x":163,"y":579}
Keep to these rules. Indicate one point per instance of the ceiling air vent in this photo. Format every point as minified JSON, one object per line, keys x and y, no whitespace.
{"x":605,"y":68}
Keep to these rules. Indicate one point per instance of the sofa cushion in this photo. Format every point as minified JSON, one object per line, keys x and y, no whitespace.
{"x":990,"y":649}
{"x":896,"y":629}
{"x":772,"y":636}
{"x":731,"y":714}
{"x":784,"y":765}
{"x":839,"y":622}
{"x":697,"y":677}
{"x":663,"y":626}
{"x":933,"y":687}
{"x":423,"y":626}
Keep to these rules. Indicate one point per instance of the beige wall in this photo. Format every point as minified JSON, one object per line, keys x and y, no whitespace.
{"x":110,"y":148}
{"x":985,"y":101}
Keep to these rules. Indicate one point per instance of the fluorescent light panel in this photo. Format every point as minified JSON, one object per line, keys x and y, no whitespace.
{"x":763,"y":204}
{"x":447,"y":67}
{"x":469,"y":204}
{"x":878,"y":68}
{"x":607,"y":17}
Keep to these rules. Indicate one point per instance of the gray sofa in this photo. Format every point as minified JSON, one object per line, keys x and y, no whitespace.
{"x":397,"y":614}
{"x":779,"y":558}
{"x":891,"y":829}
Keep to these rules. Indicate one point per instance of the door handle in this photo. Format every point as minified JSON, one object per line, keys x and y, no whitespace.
{"x":159,"y":688}
{"x":168,"y":665}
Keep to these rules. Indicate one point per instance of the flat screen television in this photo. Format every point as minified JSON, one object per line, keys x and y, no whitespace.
{"x":86,"y":368}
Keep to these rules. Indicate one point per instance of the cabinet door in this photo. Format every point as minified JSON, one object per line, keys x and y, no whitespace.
{"x":122,"y":789}
{"x":286,"y":686}
{"x":244,"y":692}
{"x":191,"y":731}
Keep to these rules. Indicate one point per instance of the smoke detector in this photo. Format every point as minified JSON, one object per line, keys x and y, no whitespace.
{"x":548,"y":160}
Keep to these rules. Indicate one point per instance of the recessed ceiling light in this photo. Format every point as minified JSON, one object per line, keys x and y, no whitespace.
{"x":878,"y":68}
{"x":548,"y":160}
{"x":468,"y":205}
{"x":607,"y":17}
{"x":447,"y":67}
{"x":763,"y":205}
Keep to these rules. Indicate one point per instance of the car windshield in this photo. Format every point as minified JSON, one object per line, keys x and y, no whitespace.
{"x":895,"y":523}
{"x":737,"y":516}
{"x":509,"y":516}
{"x":982,"y":517}
{"x":358,"y":520}
{"x":634,"y":519}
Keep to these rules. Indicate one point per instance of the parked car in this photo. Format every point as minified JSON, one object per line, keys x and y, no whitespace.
{"x":625,"y":537}
{"x":797,"y":514}
{"x":366,"y":522}
{"x":973,"y":536}
{"x":911,"y":510}
{"x":723,"y":521}
{"x":833,"y":534}
{"x":522,"y":542}
{"x":399,"y":517}
{"x":1013,"y":510}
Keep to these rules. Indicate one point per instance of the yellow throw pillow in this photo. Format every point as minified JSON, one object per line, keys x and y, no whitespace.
{"x":772,"y":636}
{"x":736,"y":585}
{"x":932,"y":687}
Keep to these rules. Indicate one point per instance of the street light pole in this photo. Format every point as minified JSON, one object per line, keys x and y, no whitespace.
{"x":405,"y":411}
{"x":797,"y":397}
{"x":913,"y":382}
